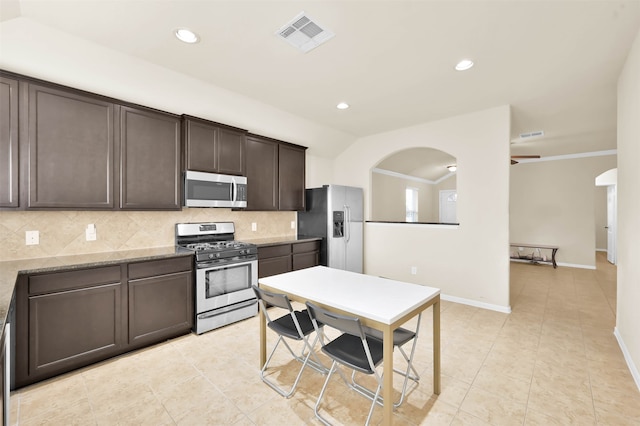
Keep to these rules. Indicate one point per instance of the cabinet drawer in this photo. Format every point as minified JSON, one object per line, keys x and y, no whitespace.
{"x":274,"y":251}
{"x":160,"y":267}
{"x":58,"y":281}
{"x":306,"y":246}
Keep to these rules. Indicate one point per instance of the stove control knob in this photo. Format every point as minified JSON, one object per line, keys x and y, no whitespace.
{"x":217,"y":254}
{"x":211,"y":256}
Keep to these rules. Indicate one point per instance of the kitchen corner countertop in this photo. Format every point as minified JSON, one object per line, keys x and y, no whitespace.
{"x":273,"y":241}
{"x":9,"y":270}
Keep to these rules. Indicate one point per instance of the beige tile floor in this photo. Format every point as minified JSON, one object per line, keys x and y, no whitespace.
{"x":553,"y":360}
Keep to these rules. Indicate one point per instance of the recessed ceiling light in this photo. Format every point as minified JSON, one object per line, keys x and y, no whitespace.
{"x":464,"y":65}
{"x":342,"y":105}
{"x":187,"y":35}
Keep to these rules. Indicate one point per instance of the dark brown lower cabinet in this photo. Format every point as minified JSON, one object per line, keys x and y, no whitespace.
{"x":72,"y":328}
{"x":160,"y":306}
{"x":305,"y":255}
{"x":286,"y":257}
{"x":72,"y":318}
{"x":274,"y":259}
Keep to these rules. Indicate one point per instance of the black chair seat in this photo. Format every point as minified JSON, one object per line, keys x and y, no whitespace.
{"x":400,"y":335}
{"x":348,"y":349}
{"x":286,"y":326}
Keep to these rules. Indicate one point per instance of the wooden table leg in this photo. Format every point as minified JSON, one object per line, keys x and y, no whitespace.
{"x":436,"y":346}
{"x":263,"y":339}
{"x":387,"y":379}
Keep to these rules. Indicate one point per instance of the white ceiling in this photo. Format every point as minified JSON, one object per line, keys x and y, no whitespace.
{"x":555,"y":62}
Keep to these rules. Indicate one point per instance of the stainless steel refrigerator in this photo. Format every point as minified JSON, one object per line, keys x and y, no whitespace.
{"x":335,"y":213}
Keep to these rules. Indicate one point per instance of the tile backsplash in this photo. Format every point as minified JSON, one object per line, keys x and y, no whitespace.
{"x":63,"y":232}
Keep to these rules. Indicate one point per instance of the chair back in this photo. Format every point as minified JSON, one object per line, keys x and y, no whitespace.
{"x":275,"y":299}
{"x":346,"y":324}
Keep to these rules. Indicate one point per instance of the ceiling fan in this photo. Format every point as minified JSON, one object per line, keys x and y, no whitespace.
{"x":521,"y":157}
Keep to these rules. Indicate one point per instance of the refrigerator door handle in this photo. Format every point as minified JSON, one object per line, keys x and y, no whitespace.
{"x":347,"y":220}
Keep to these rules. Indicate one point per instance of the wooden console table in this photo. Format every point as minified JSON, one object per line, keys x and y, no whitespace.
{"x":532,"y":257}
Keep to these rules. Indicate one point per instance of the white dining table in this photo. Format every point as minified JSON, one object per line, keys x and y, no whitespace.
{"x":380,"y":303}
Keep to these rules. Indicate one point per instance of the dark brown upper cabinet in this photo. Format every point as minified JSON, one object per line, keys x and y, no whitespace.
{"x":9,"y":196}
{"x":149,"y":160}
{"x":275,"y":174}
{"x":262,"y":174}
{"x":213,"y":147}
{"x":71,"y":149}
{"x":291,"y":177}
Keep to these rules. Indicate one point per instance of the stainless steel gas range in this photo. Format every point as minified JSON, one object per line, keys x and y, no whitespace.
{"x":225,"y":271}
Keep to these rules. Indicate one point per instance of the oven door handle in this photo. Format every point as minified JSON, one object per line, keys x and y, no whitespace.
{"x":229,"y":308}
{"x":224,"y":264}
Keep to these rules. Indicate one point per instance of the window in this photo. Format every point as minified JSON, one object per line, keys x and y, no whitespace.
{"x":411,"y":195}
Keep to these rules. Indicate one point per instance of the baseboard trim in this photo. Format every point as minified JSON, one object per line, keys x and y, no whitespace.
{"x":470,"y":302}
{"x":568,"y":265}
{"x":574,"y":265}
{"x":627,"y":357}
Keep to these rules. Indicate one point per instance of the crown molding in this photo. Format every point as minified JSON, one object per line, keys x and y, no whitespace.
{"x":413,"y":178}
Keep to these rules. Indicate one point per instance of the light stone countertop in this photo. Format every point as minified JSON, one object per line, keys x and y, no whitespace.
{"x":9,"y":270}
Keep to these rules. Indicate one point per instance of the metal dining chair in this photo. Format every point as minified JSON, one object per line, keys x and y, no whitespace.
{"x":351,"y":349}
{"x":295,"y":325}
{"x":401,"y":336}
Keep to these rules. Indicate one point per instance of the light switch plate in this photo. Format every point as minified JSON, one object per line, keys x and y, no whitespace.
{"x":293,"y":224}
{"x":254,"y":226}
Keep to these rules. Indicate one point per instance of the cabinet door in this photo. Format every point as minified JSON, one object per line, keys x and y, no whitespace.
{"x":8,"y":142}
{"x":291,"y":176}
{"x":214,"y":148}
{"x":200,"y":147}
{"x":150,"y":160}
{"x":274,"y":266}
{"x":70,"y":329}
{"x":231,"y":147}
{"x":160,"y":308}
{"x":262,"y":174}
{"x":71,"y":150}
{"x":305,"y":260}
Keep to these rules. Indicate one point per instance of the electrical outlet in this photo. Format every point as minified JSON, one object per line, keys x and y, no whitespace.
{"x":32,"y":238}
{"x":293,"y":224}
{"x":254,"y":226}
{"x":414,"y":270}
{"x":90,"y":232}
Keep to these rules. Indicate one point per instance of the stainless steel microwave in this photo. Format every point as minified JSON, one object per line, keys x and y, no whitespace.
{"x":214,"y":190}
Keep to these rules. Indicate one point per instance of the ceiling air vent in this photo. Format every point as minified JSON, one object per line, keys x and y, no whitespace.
{"x":304,"y":33}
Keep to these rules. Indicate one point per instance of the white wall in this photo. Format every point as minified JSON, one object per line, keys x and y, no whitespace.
{"x":319,"y":171}
{"x":388,"y":198}
{"x":554,"y":203}
{"x":628,"y":304}
{"x":469,"y":261}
